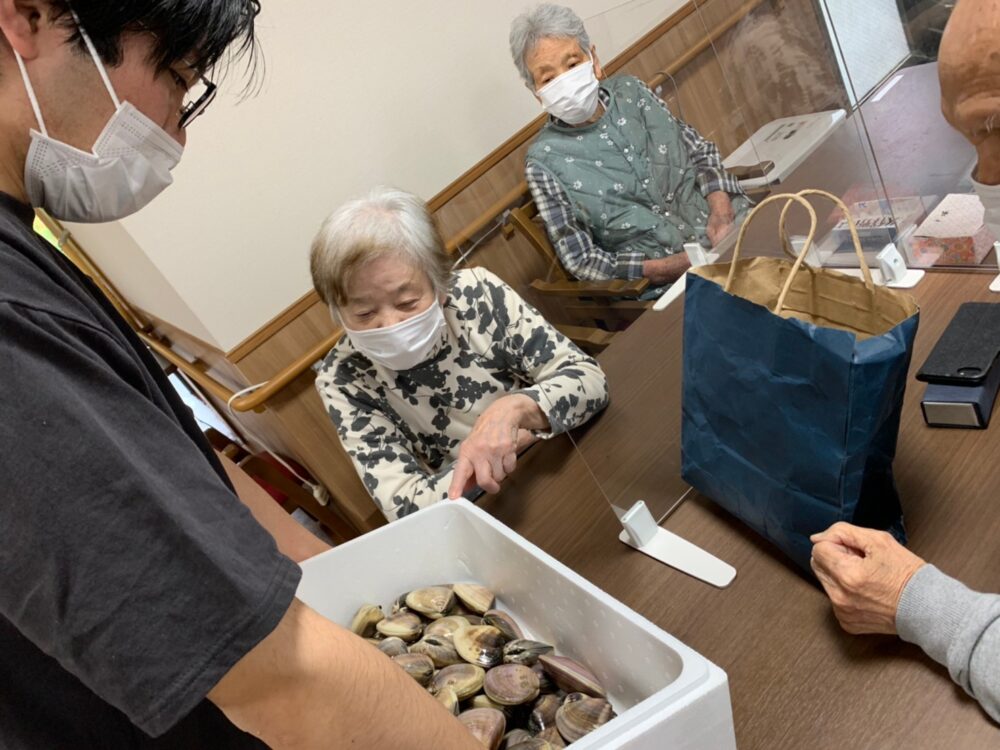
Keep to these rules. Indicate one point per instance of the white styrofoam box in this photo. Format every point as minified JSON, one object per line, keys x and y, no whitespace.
{"x":665,"y":694}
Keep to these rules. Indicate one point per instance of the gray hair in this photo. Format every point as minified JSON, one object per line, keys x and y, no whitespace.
{"x":545,"y":20}
{"x":386,"y":221}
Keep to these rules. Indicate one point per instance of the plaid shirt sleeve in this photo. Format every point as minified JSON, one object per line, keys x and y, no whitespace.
{"x":711,"y":176}
{"x":572,"y":239}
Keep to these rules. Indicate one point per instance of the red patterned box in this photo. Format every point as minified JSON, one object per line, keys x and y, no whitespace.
{"x":953,"y":234}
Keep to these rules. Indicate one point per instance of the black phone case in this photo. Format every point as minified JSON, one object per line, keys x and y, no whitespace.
{"x":967,"y":349}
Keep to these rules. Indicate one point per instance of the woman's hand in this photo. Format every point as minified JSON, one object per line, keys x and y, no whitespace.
{"x":489,"y":454}
{"x":721,"y":216}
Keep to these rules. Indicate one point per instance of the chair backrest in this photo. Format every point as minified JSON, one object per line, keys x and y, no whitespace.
{"x":523,"y":220}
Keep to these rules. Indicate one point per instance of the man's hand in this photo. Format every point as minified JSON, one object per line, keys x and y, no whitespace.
{"x":863,"y":572}
{"x":969,"y":72}
{"x":720,"y":216}
{"x":489,"y":454}
{"x":661,"y":271}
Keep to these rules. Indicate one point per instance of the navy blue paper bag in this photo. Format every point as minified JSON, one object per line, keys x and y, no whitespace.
{"x":790,"y":419}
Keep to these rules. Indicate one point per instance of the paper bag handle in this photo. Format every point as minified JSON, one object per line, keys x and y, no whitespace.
{"x":788,"y":198}
{"x":865,"y":270}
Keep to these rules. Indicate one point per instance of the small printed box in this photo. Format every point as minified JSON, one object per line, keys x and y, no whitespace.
{"x":953,"y":234}
{"x":882,"y":219}
{"x":665,"y":694}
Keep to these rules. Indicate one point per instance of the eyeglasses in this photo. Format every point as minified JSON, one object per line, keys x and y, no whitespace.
{"x":200,"y":95}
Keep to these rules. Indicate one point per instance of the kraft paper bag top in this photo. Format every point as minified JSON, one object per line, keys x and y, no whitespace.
{"x":821,"y":296}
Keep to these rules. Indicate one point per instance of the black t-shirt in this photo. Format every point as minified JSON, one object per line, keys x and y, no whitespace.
{"x":131,"y":576}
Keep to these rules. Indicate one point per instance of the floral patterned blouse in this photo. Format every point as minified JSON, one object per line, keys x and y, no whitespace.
{"x":403,"y":429}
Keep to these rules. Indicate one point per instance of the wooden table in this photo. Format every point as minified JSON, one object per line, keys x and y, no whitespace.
{"x":796,"y":679}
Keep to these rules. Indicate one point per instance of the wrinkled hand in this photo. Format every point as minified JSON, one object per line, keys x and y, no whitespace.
{"x":661,"y":271}
{"x":969,"y":72}
{"x":720,"y":218}
{"x":489,"y":454}
{"x":863,"y":572}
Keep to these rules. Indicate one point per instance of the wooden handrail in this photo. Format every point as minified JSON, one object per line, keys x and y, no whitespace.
{"x":255,"y":400}
{"x":78,"y":256}
{"x":488,"y":217}
{"x":252,"y":401}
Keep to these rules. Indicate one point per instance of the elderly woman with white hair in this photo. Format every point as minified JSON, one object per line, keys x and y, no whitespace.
{"x":620,"y":183}
{"x":441,"y":377}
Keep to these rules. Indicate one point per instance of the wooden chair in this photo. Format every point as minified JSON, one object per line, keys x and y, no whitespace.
{"x":594,"y":309}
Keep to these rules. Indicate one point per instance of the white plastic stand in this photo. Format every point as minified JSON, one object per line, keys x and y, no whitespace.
{"x":995,"y":286}
{"x":892,"y":271}
{"x":642,"y":533}
{"x":676,"y":290}
{"x":698,"y":257}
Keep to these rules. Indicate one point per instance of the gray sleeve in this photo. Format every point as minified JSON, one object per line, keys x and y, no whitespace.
{"x":957,"y":627}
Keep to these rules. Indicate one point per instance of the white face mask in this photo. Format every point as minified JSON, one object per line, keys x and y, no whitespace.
{"x":404,"y":345}
{"x":989,"y":196}
{"x":572,"y":97}
{"x":129,"y":165}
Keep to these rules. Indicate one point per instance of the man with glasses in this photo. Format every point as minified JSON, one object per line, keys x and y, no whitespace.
{"x":141,"y":604}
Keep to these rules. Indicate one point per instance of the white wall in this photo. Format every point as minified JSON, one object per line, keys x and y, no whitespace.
{"x":355,"y":94}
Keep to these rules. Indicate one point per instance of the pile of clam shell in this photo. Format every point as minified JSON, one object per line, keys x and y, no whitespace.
{"x":511,"y":692}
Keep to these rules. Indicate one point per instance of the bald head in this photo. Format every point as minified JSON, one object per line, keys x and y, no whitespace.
{"x":969,"y":70}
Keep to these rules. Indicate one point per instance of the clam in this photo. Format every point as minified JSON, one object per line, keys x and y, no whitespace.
{"x":479,"y":644}
{"x":418,"y":666}
{"x":543,"y":713}
{"x":446,"y":626}
{"x":571,"y":676}
{"x":486,"y":724}
{"x":465,"y":679}
{"x":440,"y":649}
{"x":582,"y":715}
{"x":511,"y":684}
{"x":448,"y":698}
{"x":477,"y":598}
{"x":433,"y":602}
{"x":534,"y":743}
{"x":400,"y":604}
{"x":524,"y":651}
{"x":484,"y":701}
{"x":405,"y":625}
{"x":365,"y":620}
{"x":552,"y":736}
{"x":514,"y":737}
{"x":503,"y":622}
{"x":393,"y":646}
{"x":474,"y":619}
{"x":545,"y":683}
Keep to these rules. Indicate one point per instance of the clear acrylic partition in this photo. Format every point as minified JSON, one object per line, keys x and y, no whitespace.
{"x":632,"y":451}
{"x":760,"y":81}
{"x":887,"y":55}
{"x":778,"y":66}
{"x":752,"y":81}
